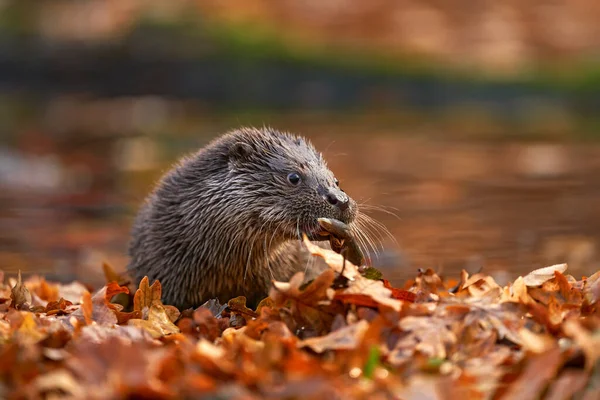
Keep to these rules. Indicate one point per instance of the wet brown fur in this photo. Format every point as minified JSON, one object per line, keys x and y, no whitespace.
{"x":225,"y":221}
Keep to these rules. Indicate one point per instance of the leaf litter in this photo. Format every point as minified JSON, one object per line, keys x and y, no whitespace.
{"x":346,"y":334}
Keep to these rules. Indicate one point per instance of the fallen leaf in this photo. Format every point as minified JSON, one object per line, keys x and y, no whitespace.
{"x":346,"y":338}
{"x":158,"y":323}
{"x":146,"y":296}
{"x":20,"y":296}
{"x":238,"y":306}
{"x":336,"y":261}
{"x":541,"y":275}
{"x":539,"y":371}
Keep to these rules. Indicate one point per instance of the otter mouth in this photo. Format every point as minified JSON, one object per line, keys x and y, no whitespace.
{"x":314,"y":232}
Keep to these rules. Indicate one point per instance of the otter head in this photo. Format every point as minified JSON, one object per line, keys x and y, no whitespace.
{"x":288,"y":181}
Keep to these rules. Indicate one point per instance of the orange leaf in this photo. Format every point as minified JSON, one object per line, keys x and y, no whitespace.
{"x":400,"y":294}
{"x":87,"y":307}
{"x":146,"y":295}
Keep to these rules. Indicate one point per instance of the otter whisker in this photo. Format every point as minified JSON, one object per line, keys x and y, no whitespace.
{"x":368,"y":244}
{"x":298,"y":229}
{"x":248,"y":261}
{"x":359,"y":237}
{"x":369,"y":231}
{"x":372,"y":207}
{"x":380,"y":226}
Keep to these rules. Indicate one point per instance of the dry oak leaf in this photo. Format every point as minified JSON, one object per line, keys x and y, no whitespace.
{"x":318,"y":291}
{"x":346,"y":338}
{"x":478,"y":285}
{"x":336,"y":261}
{"x":541,"y":275}
{"x":58,"y":307}
{"x":20,"y":296}
{"x":373,"y":289}
{"x":97,"y":307}
{"x":308,"y":306}
{"x":146,"y":296}
{"x":237,"y":305}
{"x":158,"y":323}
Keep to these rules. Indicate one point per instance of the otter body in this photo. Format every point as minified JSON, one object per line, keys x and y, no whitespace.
{"x":227,"y":220}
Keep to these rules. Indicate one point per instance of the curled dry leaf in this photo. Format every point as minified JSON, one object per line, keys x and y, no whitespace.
{"x":346,"y":338}
{"x":20,"y":296}
{"x":541,"y":275}
{"x":334,"y":260}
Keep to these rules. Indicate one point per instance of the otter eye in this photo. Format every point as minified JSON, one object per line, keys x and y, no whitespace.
{"x":293,"y":178}
{"x":337,"y":183}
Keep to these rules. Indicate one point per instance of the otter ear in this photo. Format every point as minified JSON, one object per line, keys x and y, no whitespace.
{"x":240,"y":152}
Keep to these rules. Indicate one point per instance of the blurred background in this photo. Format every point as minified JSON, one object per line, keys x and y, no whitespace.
{"x":475,"y":122}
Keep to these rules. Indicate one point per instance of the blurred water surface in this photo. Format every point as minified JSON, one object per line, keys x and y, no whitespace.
{"x":449,"y":203}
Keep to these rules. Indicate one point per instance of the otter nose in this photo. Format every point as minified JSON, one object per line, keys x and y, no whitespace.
{"x":337,"y":198}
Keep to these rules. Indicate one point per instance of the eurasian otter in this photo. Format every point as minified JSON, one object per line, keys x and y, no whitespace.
{"x":226,"y":220}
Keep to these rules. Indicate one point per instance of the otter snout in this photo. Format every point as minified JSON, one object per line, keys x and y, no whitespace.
{"x":337,"y":198}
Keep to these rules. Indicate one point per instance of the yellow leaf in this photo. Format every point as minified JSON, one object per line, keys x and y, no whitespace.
{"x":158,"y":323}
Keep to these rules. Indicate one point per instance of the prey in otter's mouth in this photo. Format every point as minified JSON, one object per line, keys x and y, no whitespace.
{"x":228,"y":219}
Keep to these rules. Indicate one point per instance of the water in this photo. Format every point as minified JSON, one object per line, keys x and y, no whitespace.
{"x":67,"y":198}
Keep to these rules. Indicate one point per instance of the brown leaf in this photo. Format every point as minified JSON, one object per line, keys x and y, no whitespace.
{"x":375,"y":290}
{"x":58,"y":307}
{"x":399,"y":294}
{"x":336,"y":261}
{"x":540,"y":370}
{"x":317,"y":291}
{"x":541,"y":275}
{"x":158,"y":323}
{"x":357,"y":299}
{"x":430,"y":336}
{"x":97,"y":308}
{"x":308,"y":306}
{"x":20,"y":296}
{"x":238,"y":305}
{"x":428,"y":282}
{"x":346,"y":338}
{"x":147,"y":296}
{"x":110,"y":275}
